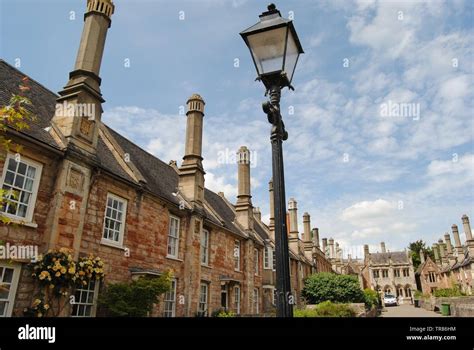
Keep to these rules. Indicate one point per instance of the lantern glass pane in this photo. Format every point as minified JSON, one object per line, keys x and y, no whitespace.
{"x":268,"y":49}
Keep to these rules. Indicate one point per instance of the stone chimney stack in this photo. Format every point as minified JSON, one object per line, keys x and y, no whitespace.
{"x":332,"y":253}
{"x":449,"y":247}
{"x":337,"y":251}
{"x":191,"y":173}
{"x":422,"y":256}
{"x":293,"y":209}
{"x":257,"y":214}
{"x":457,"y":242}
{"x":79,"y":108}
{"x":306,"y":227}
{"x":271,"y":225}
{"x":366,"y":252}
{"x":442,"y":251}
{"x":382,"y":247}
{"x":468,"y":233}
{"x":436,"y":254}
{"x":243,"y":207}
{"x":325,"y":246}
{"x":315,"y":237}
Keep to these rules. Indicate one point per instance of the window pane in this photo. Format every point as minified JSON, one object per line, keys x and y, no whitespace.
{"x":22,"y":210}
{"x":3,"y":308}
{"x":12,"y":164}
{"x":4,"y":291}
{"x":9,"y":177}
{"x":31,"y":172}
{"x":21,"y":168}
{"x":29,"y":185}
{"x":8,"y":276}
{"x":25,"y":197}
{"x":19,"y":181}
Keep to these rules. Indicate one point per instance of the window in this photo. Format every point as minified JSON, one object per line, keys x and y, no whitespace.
{"x":237,"y":255}
{"x":396,"y":272}
{"x":274,"y":296}
{"x":237,"y":299}
{"x":432,"y":277}
{"x":255,"y":301}
{"x":375,"y":273}
{"x":273,"y":260}
{"x":20,"y":181}
{"x":9,"y":275}
{"x":266,"y":257}
{"x":173,"y":237}
{"x":255,"y":260}
{"x":170,"y":301}
{"x":114,"y":221}
{"x":224,"y":296}
{"x":203,"y":298}
{"x":385,"y":273}
{"x":406,"y":272}
{"x":84,"y":300}
{"x":205,"y":247}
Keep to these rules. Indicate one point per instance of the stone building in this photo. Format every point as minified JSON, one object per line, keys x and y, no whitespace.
{"x":428,"y":275}
{"x":85,"y":187}
{"x":455,"y":264}
{"x":389,"y":273}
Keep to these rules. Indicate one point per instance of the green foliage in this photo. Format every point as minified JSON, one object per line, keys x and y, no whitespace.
{"x":415,"y":248}
{"x":326,"y":309}
{"x":448,"y":292}
{"x":135,"y":299}
{"x":327,"y":286}
{"x":372,"y":298}
{"x":223,"y":313}
{"x":14,"y":115}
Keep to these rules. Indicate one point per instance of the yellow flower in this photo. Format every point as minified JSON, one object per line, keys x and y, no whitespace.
{"x":46,"y":306}
{"x":72,"y":270}
{"x":58,"y":274}
{"x":37,"y":302}
{"x":81,"y":273}
{"x":63,"y":270}
{"x":40,"y":314}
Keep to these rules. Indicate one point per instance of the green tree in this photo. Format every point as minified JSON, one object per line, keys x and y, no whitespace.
{"x":415,"y":248}
{"x":327,"y":286}
{"x":135,"y":299}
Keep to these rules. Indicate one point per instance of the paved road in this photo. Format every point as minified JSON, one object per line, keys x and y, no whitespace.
{"x":406,"y":310}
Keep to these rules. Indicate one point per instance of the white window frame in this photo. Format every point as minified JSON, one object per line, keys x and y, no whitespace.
{"x":13,"y":286}
{"x":169,"y":299}
{"x":108,"y":241}
{"x":256,"y":262}
{"x":95,"y":296}
{"x":34,"y":191}
{"x":203,"y":301}
{"x":266,"y":258}
{"x":175,"y":238}
{"x":237,"y":299}
{"x":205,"y":247}
{"x":237,"y":250}
{"x":256,"y":303}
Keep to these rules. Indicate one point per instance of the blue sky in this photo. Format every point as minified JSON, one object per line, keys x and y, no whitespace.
{"x":364,"y":177}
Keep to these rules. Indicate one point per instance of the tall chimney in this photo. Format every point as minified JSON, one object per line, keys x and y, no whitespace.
{"x":436,"y":254}
{"x":442,"y":252}
{"x":243,"y":207}
{"x":331,"y":249}
{"x":449,"y":247}
{"x":325,"y":246}
{"x":366,"y":252}
{"x":293,"y":209}
{"x":271,"y":225}
{"x":457,"y":241}
{"x":468,"y":233}
{"x":306,"y":227}
{"x":337,"y":251}
{"x":467,"y":227}
{"x":315,"y":237}
{"x":79,"y":108}
{"x":191,"y":173}
{"x":422,"y":256}
{"x":382,"y":247}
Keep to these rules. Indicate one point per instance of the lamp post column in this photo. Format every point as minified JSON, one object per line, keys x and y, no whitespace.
{"x":278,"y":135}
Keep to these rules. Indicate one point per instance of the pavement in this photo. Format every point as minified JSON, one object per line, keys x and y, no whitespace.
{"x":408,"y":310}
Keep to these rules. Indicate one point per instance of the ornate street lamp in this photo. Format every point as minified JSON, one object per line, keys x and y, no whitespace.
{"x":275,"y":48}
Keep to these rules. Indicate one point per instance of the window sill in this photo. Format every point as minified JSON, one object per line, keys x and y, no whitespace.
{"x":174,"y":258}
{"x":18,"y":221}
{"x":112,"y":244}
{"x":206,"y":266}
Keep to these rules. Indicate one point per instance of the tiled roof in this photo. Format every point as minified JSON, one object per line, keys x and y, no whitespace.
{"x":384,"y":258}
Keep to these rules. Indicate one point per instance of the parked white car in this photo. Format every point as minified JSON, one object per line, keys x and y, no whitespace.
{"x":390,"y":300}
